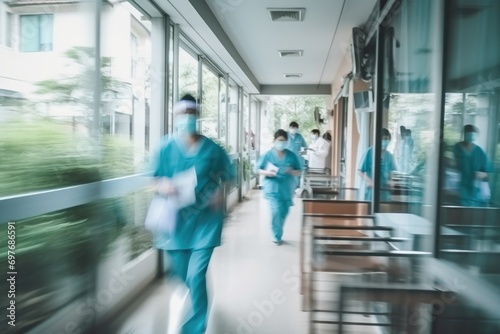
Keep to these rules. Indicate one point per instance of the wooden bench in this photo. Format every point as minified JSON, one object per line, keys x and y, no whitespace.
{"x":334,"y":255}
{"x":325,"y":208}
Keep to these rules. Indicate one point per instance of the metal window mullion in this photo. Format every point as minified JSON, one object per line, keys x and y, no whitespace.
{"x":248,"y":137}
{"x":175,"y":78}
{"x":166,"y":75}
{"x":97,"y":77}
{"x":200,"y":82}
{"x":218,"y":106}
{"x":226,"y":101}
{"x":442,"y":44}
{"x":379,"y":110}
{"x":258,"y":127}
{"x":238,"y":144}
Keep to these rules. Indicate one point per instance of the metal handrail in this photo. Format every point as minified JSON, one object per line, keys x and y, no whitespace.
{"x":29,"y":205}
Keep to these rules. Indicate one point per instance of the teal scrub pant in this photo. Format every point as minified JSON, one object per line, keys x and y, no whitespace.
{"x":279,"y":211}
{"x":191,"y":267}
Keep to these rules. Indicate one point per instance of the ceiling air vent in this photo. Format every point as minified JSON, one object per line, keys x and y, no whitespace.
{"x":290,"y":53}
{"x":286,"y":14}
{"x":292,"y":75}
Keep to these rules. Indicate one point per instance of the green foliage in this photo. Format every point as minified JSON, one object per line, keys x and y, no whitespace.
{"x":78,"y":90}
{"x":299,"y":109}
{"x":40,"y":154}
{"x":246,"y":169}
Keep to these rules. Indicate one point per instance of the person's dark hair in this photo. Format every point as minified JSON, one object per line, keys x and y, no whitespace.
{"x":470,"y":128}
{"x":281,"y":133}
{"x":408,"y":132}
{"x":327,"y":136}
{"x":188,"y":97}
{"x":294,"y":125}
{"x":316,"y":131}
{"x":386,"y":133}
{"x":187,"y":104}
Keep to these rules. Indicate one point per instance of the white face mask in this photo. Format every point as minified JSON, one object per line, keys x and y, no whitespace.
{"x":280,"y":145}
{"x":314,"y":137}
{"x":293,"y":131}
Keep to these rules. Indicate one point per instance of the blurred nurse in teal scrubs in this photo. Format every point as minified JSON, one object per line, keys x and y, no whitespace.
{"x":473,"y":165}
{"x":199,"y":226}
{"x":279,"y":166}
{"x":386,"y":168}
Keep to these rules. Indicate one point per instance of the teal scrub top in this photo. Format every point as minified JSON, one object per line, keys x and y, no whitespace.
{"x":200,"y":225}
{"x":295,"y":143}
{"x":468,"y":163}
{"x":387,"y":167}
{"x":282,"y":186}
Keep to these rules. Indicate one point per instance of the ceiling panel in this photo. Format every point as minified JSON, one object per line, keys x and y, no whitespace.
{"x":258,"y":39}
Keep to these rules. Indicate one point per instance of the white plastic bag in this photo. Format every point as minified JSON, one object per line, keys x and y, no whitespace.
{"x":484,"y":190}
{"x":162,"y":215}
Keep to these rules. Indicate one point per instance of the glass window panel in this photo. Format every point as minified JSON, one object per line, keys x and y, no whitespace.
{"x":246,"y":123}
{"x":47,"y":111}
{"x":222,"y":111}
{"x":210,"y":103}
{"x":253,"y":124}
{"x":233,"y":117}
{"x":36,"y":32}
{"x":8,"y":29}
{"x":188,"y":73}
{"x":46,"y":32}
{"x":470,"y":201}
{"x":30,"y":34}
{"x":409,"y":108}
{"x":126,"y":73}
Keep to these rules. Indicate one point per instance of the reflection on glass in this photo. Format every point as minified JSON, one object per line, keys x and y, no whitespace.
{"x":409,"y":106}
{"x":470,"y":204}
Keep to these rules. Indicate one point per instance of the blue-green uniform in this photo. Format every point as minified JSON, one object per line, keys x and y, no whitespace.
{"x":386,"y":168}
{"x":295,"y":144}
{"x":468,"y":163}
{"x":199,"y":226}
{"x":279,"y":190}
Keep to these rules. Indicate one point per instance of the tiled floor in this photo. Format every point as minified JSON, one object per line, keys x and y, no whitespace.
{"x":253,"y":284}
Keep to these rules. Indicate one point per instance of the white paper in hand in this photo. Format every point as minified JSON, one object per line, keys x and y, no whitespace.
{"x":185,"y":182}
{"x":162,"y":213}
{"x":271,"y":168}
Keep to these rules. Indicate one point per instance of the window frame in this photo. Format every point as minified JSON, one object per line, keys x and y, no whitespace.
{"x":39,"y":47}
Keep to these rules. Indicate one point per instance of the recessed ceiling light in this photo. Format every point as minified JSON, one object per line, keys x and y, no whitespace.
{"x":292,"y":75}
{"x":286,"y":14}
{"x":290,"y":53}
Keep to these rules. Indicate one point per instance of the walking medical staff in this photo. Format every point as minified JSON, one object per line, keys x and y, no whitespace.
{"x":295,"y":143}
{"x":473,"y":165}
{"x":387,"y":167}
{"x":199,"y":226}
{"x":317,"y":151}
{"x":279,"y":166}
